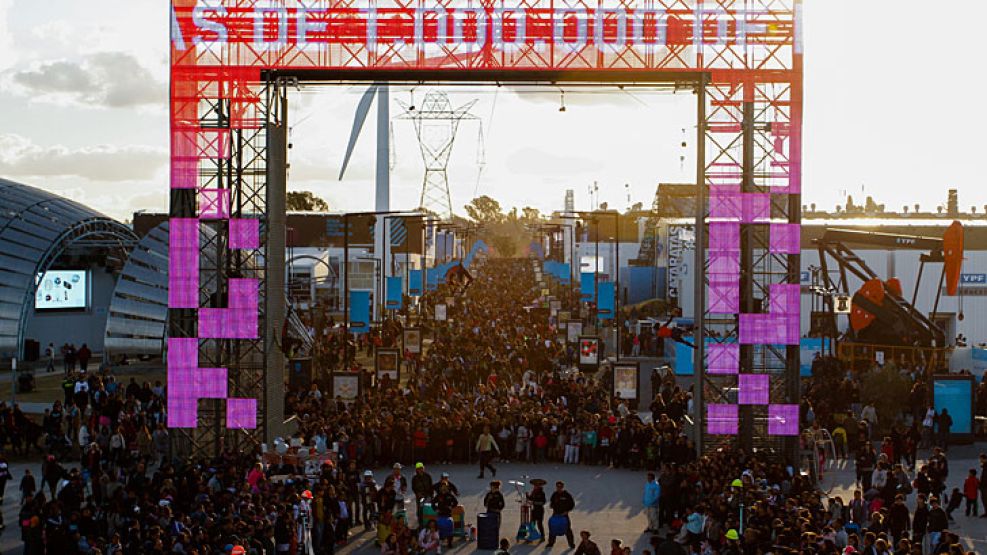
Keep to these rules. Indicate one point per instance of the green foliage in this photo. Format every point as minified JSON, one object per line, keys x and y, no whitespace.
{"x":887,"y":390}
{"x":305,"y":201}
{"x":484,"y":210}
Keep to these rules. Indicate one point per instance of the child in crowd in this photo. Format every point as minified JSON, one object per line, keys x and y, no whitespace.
{"x":971,"y":488}
{"x":954,"y":502}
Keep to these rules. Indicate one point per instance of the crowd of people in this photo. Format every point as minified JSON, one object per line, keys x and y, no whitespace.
{"x":497,"y":382}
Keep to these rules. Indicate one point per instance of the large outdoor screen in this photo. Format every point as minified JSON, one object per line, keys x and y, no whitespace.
{"x":62,"y":290}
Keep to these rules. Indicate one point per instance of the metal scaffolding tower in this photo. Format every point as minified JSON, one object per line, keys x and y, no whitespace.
{"x":436,"y":123}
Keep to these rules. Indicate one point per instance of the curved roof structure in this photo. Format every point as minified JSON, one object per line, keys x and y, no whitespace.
{"x":35,"y":228}
{"x":138,"y":310}
{"x":137,"y":319}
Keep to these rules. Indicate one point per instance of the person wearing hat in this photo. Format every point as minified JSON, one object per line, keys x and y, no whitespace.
{"x":421,"y":485}
{"x":493,"y":501}
{"x":731,"y":547}
{"x":368,"y":498}
{"x":562,"y":504}
{"x":538,"y":500}
{"x":444,"y":480}
{"x":586,"y":545}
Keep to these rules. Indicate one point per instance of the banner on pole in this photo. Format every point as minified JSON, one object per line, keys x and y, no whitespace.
{"x":359,"y":312}
{"x":393,"y":300}
{"x":605,"y":300}
{"x":415,"y":283}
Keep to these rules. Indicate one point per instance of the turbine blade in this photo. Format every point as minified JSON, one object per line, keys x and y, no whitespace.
{"x":362,"y":109}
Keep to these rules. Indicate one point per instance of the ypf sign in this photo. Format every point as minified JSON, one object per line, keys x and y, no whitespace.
{"x":737,"y":52}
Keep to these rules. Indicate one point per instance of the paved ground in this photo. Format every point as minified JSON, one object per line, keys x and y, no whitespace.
{"x":608,"y":502}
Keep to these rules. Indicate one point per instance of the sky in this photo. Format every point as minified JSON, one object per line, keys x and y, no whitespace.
{"x":893,"y":99}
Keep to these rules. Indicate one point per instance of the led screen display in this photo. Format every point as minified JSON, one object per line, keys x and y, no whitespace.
{"x":62,"y":290}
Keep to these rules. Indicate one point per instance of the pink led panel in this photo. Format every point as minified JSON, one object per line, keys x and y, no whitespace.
{"x":722,"y":419}
{"x":754,"y":389}
{"x":785,"y":239}
{"x":239,"y":321}
{"x":241,"y":413}
{"x":783,"y":420}
{"x":723,"y":358}
{"x":244,"y":233}
{"x":183,"y":263}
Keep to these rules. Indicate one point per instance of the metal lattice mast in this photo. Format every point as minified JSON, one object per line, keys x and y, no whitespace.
{"x":436,"y":123}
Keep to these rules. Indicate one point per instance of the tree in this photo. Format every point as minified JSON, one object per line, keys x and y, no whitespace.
{"x":530,"y":214}
{"x":887,"y":390}
{"x":484,"y":210}
{"x":305,"y":201}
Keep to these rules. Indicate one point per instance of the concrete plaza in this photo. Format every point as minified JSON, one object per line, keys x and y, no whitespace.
{"x":608,"y":502}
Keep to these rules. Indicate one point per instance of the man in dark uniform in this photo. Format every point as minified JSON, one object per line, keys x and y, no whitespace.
{"x":537,"y":499}
{"x":493,"y":501}
{"x":562,"y":504}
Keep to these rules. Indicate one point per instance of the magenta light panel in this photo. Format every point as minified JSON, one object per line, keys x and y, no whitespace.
{"x":753,"y":389}
{"x":783,"y":420}
{"x":244,"y":233}
{"x":183,"y":263}
{"x":722,"y":419}
{"x":723,"y":358}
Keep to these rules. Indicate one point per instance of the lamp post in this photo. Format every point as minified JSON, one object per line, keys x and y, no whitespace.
{"x":592,"y":217}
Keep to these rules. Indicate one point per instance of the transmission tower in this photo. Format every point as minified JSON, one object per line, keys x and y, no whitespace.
{"x":436,"y":123}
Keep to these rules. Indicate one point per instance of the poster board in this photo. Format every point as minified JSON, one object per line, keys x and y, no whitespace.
{"x":565,"y":316}
{"x":440,"y":313}
{"x":346,"y":386}
{"x":574,"y":328}
{"x":412,"y":340}
{"x":626,"y":379}
{"x":956,"y":393}
{"x":589,"y":350}
{"x":387,"y":362}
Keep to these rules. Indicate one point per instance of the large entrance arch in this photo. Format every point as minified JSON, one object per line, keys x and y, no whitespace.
{"x":233,"y":60}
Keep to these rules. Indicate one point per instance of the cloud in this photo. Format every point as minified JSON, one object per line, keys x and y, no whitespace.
{"x":535,"y":161}
{"x":106,"y":79}
{"x":21,"y":157}
{"x":8,"y":55}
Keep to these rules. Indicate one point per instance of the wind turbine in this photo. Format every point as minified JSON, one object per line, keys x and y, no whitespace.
{"x":382,"y":202}
{"x":383,"y":174}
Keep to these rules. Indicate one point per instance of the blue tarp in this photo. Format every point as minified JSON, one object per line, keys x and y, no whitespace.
{"x":638,"y":282}
{"x":393,"y":300}
{"x":359,"y":312}
{"x":477,"y":247}
{"x":558,"y":270}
